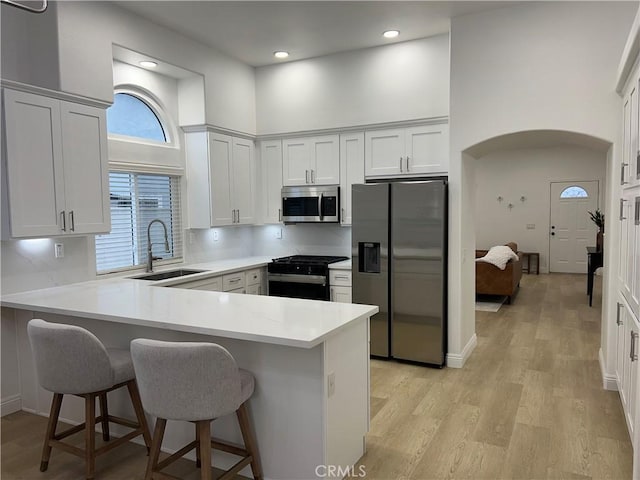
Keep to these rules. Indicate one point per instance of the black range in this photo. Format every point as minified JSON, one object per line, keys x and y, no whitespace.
{"x":301,"y":276}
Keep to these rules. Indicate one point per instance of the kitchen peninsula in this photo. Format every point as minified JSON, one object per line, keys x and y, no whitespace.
{"x":310,"y":360}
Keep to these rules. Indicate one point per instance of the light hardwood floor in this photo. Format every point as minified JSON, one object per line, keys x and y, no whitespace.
{"x":528,"y":405}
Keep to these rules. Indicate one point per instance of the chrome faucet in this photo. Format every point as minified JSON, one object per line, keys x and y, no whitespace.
{"x":150,"y":257}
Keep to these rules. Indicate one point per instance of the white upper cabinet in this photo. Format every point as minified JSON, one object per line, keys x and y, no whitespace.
{"x":220,"y":180}
{"x":55,"y":167}
{"x":311,"y":160}
{"x":630,"y":164}
{"x":351,"y":170}
{"x":404,"y":152}
{"x":271,"y":163}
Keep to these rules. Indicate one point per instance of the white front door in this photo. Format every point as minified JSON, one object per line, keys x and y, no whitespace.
{"x":571,"y":229}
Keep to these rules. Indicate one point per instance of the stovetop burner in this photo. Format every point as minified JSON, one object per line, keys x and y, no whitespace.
{"x":309,"y":259}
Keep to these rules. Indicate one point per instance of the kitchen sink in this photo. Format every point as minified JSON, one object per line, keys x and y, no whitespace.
{"x":181,"y":272}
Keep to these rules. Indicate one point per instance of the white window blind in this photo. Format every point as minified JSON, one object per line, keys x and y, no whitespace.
{"x":136,"y":200}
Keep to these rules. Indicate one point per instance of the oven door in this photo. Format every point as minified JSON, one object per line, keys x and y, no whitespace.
{"x":313,"y":287}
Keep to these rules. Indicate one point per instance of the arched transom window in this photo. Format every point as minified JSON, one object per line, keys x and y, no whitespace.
{"x":574,"y":192}
{"x":131,"y":116}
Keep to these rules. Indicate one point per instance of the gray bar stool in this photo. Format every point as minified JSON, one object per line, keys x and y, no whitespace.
{"x":194,"y":382}
{"x":71,"y":360}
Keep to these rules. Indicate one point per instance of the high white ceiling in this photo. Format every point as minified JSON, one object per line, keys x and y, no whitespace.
{"x":251,"y":31}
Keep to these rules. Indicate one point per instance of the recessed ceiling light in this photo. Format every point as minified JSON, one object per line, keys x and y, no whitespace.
{"x":391,"y":33}
{"x":281,"y":54}
{"x":148,"y":64}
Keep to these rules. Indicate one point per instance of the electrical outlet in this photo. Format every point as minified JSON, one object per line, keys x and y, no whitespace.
{"x":216,"y":235}
{"x":531,"y":226}
{"x":59,"y":250}
{"x":331,"y":384}
{"x":278,"y":233}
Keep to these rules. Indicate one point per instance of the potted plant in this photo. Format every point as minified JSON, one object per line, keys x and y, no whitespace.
{"x":597,"y":217}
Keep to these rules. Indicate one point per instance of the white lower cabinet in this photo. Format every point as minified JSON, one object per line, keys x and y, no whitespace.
{"x":248,"y":281}
{"x":54,"y":167}
{"x":628,"y":347}
{"x":340,"y":285}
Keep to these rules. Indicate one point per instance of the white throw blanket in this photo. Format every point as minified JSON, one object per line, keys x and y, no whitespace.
{"x":499,"y":256}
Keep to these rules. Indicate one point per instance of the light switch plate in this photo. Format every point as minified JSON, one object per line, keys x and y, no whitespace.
{"x":531,"y":226}
{"x":278,"y":233}
{"x":216,"y":235}
{"x":59,"y":250}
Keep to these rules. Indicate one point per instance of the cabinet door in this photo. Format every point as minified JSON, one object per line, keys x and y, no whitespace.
{"x":84,"y":148}
{"x":254,"y":289}
{"x":351,"y":170}
{"x":243,"y":181}
{"x":325,"y":160}
{"x":220,"y":151}
{"x":634,"y":251}
{"x":34,"y":165}
{"x":632,"y":168}
{"x":271,"y":162}
{"x":384,"y":153}
{"x":623,"y":251}
{"x":296,"y":162}
{"x":625,"y":167}
{"x":620,"y":338}
{"x":427,"y":149}
{"x":632,"y":385}
{"x":341,"y":294}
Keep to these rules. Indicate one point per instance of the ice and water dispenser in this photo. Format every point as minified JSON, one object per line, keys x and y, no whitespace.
{"x":369,"y":257}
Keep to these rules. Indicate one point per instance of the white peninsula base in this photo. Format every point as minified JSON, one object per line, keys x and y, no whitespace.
{"x":310,"y":408}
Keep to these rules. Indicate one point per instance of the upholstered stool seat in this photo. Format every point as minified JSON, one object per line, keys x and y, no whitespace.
{"x":71,"y":360}
{"x":195,"y":382}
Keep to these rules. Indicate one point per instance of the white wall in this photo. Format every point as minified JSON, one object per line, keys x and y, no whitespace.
{"x":395,"y":82}
{"x":233,"y":242}
{"x":512,"y":174}
{"x":28,"y":49}
{"x":539,"y":65}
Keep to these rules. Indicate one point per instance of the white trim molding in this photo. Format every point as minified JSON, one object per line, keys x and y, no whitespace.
{"x":46,"y":92}
{"x":629,"y":54}
{"x":10,"y":404}
{"x":609,"y":381}
{"x":457,"y":360}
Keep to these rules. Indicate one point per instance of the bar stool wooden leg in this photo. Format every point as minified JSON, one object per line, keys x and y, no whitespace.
{"x":204,"y":445}
{"x":90,"y":434}
{"x":104,"y":412}
{"x":198,"y":460}
{"x":56,"y":403}
{"x":134,"y":393}
{"x":250,"y":443}
{"x":158,"y":434}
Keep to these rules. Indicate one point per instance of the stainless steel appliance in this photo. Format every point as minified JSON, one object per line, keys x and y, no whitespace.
{"x":311,"y":204}
{"x":399,"y":245}
{"x":301,"y":276}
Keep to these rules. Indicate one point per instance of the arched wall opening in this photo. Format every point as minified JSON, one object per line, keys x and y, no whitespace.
{"x":504,"y":157}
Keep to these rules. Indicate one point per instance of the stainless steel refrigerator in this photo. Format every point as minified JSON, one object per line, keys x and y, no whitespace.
{"x":399,"y":248}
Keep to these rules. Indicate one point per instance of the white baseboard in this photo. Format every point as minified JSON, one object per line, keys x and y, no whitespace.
{"x":10,"y":404}
{"x":609,"y":382}
{"x":457,"y":360}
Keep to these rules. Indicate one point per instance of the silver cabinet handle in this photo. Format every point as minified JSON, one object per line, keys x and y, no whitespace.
{"x":636,"y":212}
{"x":332,"y":296}
{"x":313,"y":180}
{"x":279,"y":214}
{"x":619,"y":322}
{"x":408,"y":170}
{"x":306,"y":176}
{"x":238,"y":216}
{"x":235,"y":280}
{"x":622,"y":179}
{"x":632,"y":354}
{"x":343,"y":215}
{"x":73,"y":222}
{"x":400,"y":164}
{"x":343,"y":277}
{"x":63,"y":220}
{"x":622,"y":217}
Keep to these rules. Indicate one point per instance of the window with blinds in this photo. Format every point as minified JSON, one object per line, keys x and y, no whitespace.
{"x":136,"y":200}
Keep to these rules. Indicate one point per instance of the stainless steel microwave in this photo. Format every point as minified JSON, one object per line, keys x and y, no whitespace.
{"x":311,"y":204}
